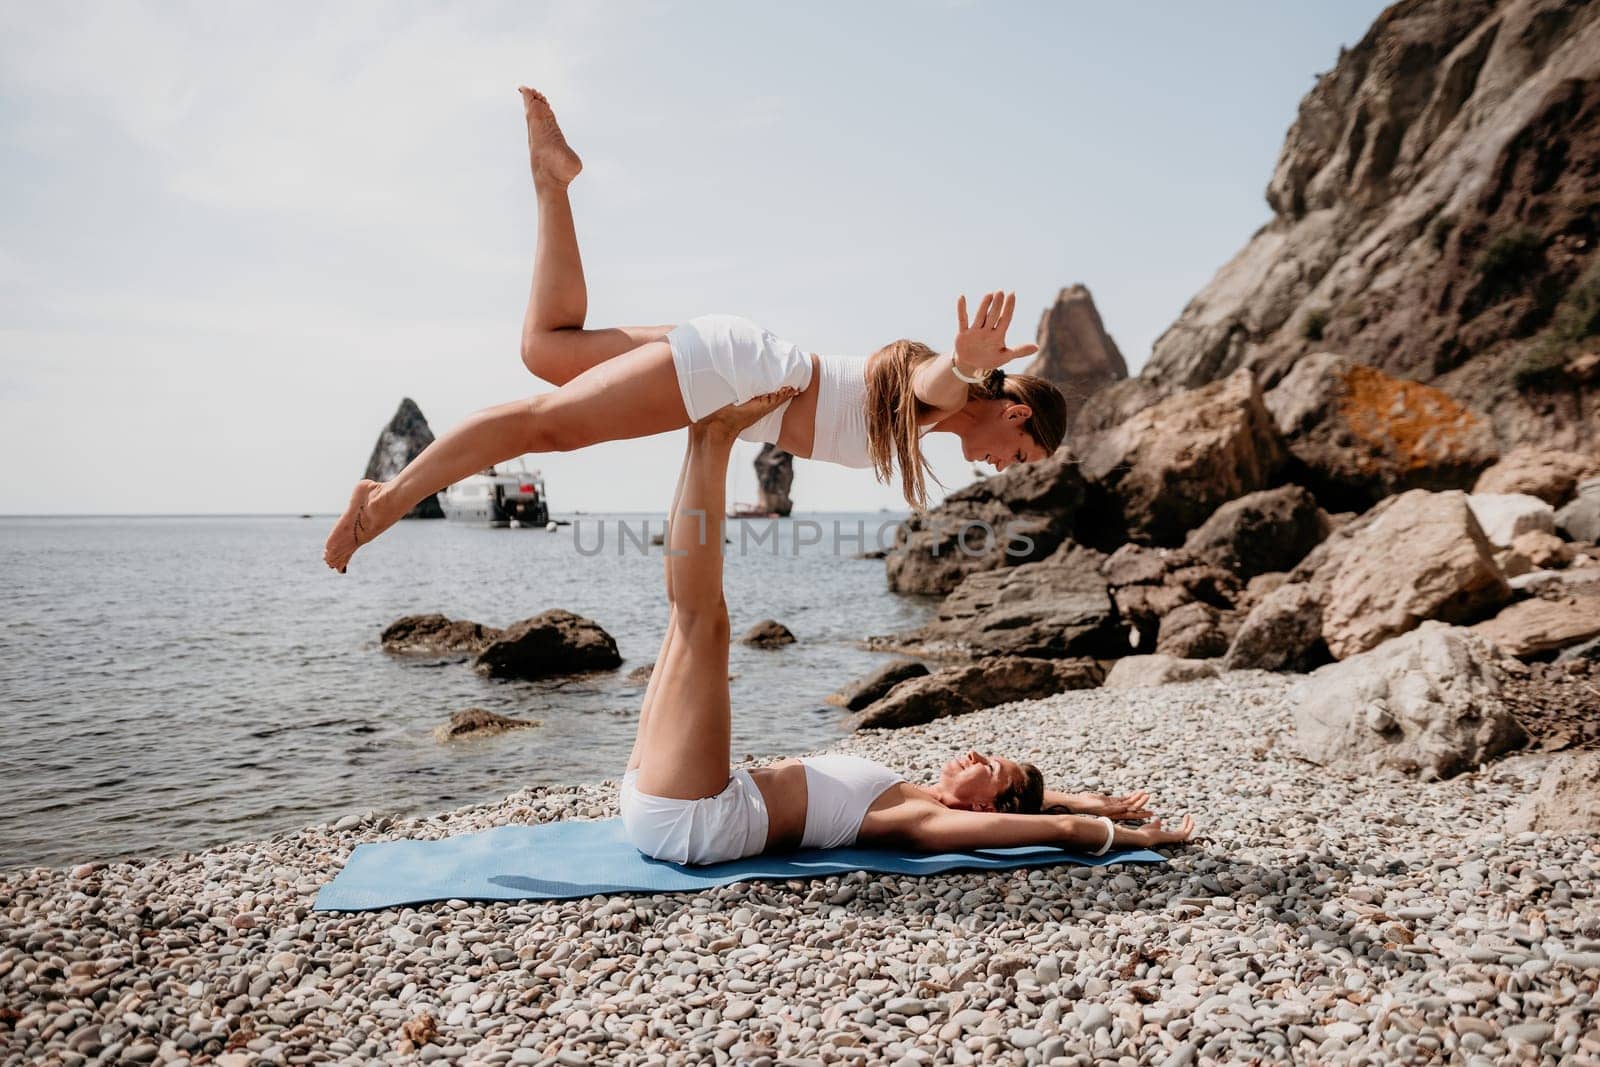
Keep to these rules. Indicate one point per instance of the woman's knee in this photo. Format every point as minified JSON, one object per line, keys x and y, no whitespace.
{"x":703,"y":622}
{"x":546,"y":354}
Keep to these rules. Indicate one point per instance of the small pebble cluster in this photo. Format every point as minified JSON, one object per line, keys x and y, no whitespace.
{"x":1315,"y":919}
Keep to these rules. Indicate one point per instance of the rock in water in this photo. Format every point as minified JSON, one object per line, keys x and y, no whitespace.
{"x":774,"y":476}
{"x":958,"y":690}
{"x":1568,"y":798}
{"x":876,"y":685}
{"x":1075,"y":352}
{"x":406,"y":435}
{"x":1420,"y":556}
{"x":1427,"y":206}
{"x":1428,"y":702}
{"x":1166,"y":469}
{"x":436,"y":635}
{"x":476,"y":722}
{"x":553,"y":643}
{"x":768,"y":633}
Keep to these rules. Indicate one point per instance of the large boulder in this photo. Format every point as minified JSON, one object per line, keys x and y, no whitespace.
{"x":1016,"y":517}
{"x":400,"y":442}
{"x":1535,"y":627}
{"x":552,"y":643}
{"x":876,"y":685}
{"x":1358,"y":435}
{"x":1580,"y":519}
{"x":1550,"y":474}
{"x":958,"y":690}
{"x":1196,"y":630}
{"x":1141,"y":672}
{"x":436,"y":635}
{"x":1506,"y":516}
{"x":1148,"y":584}
{"x":1055,"y":608}
{"x":1567,"y":800}
{"x":1282,"y":632}
{"x":1166,"y":469}
{"x":1423,"y":557}
{"x":774,"y":478}
{"x":1076,"y":354}
{"x":1271,"y":530}
{"x":1426,"y":703}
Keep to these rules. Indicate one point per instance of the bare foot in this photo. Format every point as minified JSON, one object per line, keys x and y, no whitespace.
{"x":354,"y":528}
{"x":730,"y":420}
{"x":552,"y":158}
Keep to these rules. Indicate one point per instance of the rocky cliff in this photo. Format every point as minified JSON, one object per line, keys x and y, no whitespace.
{"x":1436,"y":213}
{"x":406,"y":435}
{"x":774,"y":476}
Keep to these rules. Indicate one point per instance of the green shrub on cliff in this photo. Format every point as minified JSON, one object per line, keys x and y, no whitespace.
{"x":1508,"y":261}
{"x":1315,"y":322}
{"x":1576,"y":318}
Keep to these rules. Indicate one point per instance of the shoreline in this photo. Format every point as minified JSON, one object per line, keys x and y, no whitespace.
{"x":1314,"y":915}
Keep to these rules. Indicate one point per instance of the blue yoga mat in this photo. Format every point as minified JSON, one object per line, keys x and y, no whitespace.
{"x":560,"y":860}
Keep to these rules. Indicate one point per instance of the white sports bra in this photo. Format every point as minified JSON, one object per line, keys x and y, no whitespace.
{"x":839,"y":790}
{"x":840,"y":434}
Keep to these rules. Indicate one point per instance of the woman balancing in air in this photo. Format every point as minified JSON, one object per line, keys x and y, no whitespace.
{"x":635,"y":381}
{"x":680,"y":800}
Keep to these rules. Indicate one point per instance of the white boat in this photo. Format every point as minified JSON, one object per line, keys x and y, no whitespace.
{"x":498,"y":497}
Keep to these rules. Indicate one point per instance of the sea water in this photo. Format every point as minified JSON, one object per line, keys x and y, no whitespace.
{"x":172,"y":683}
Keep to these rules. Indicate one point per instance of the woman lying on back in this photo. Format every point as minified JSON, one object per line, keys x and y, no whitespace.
{"x":682,"y":802}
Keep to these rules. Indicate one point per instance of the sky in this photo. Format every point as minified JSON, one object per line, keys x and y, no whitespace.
{"x":233,"y":237}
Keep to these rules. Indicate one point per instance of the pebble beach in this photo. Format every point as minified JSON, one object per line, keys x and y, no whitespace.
{"x":1315,"y":918}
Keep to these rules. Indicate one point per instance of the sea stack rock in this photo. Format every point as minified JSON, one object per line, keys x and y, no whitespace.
{"x":1076,"y":353}
{"x":406,"y":435}
{"x":774,"y":476}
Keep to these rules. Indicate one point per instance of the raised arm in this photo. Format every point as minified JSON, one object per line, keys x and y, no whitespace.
{"x":980,"y":347}
{"x":941,"y":829}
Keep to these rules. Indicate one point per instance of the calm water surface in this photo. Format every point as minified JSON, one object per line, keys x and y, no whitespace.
{"x":171,"y":683}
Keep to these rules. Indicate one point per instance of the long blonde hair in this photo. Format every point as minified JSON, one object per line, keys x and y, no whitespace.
{"x":893,"y":414}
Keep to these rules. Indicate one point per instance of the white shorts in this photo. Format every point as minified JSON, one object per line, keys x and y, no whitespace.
{"x":723,"y":359}
{"x":728,"y":826}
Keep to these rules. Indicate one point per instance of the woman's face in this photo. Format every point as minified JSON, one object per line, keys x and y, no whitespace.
{"x":975,"y":780}
{"x":998,"y":435}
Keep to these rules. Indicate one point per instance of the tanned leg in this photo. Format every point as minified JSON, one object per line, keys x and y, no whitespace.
{"x":555,"y":346}
{"x":666,"y":639}
{"x":686,"y":735}
{"x":633,"y":395}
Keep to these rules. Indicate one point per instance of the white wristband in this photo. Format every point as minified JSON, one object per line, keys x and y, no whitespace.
{"x":1111,"y":835}
{"x":970,"y":381}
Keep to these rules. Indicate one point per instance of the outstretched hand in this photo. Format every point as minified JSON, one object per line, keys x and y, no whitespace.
{"x":981,"y":344}
{"x":1131,"y":806}
{"x":1156,"y":834}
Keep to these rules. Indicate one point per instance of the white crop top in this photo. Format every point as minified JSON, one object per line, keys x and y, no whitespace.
{"x":840,"y":434}
{"x":839,"y":790}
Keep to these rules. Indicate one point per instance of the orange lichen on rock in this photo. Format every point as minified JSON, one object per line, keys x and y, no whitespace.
{"x":1414,"y":425}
